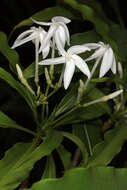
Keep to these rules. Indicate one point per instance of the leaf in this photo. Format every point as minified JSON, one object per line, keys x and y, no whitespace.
{"x":65,"y":157}
{"x":7,"y":122}
{"x":19,"y":160}
{"x":11,"y":55}
{"x":95,"y":178}
{"x":102,"y":28}
{"x":18,"y":86}
{"x":105,"y":151}
{"x":80,"y":144}
{"x":46,"y":15}
{"x":85,"y":37}
{"x":89,"y":133}
{"x":50,"y":169}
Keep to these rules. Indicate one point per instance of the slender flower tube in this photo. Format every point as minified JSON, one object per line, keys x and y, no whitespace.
{"x":71,"y":59}
{"x":104,"y":52}
{"x":36,"y":35}
{"x":58,"y":31}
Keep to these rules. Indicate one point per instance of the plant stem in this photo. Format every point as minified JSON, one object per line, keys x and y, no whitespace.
{"x":36,"y":61}
{"x":88,"y":140}
{"x":66,"y":114}
{"x":92,"y":72}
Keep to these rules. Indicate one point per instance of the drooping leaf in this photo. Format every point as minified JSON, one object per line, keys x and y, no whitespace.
{"x":85,"y":37}
{"x":46,"y":14}
{"x":7,"y":122}
{"x":18,"y":86}
{"x":95,"y":178}
{"x":105,"y":151}
{"x":65,"y":157}
{"x":50,"y":168}
{"x":90,"y":134}
{"x":80,"y":144}
{"x":19,"y":160}
{"x":10,"y":54}
{"x":88,"y":13}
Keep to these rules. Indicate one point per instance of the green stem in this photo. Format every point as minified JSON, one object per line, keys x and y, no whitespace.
{"x":65,"y":115}
{"x":36,"y":61}
{"x":88,"y":140}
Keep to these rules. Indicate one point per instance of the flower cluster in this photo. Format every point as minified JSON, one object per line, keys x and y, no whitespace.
{"x":56,"y":38}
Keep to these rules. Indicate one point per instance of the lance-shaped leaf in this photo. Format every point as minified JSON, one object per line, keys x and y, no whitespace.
{"x":95,"y":178}
{"x":105,"y":151}
{"x":46,"y":14}
{"x":6,"y":122}
{"x":11,"y":55}
{"x":19,"y":160}
{"x":18,"y":86}
{"x":50,"y":168}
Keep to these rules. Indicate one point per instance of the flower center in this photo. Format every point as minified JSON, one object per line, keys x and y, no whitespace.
{"x":68,"y":57}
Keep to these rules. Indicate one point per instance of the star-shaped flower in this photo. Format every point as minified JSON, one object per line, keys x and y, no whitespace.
{"x":104,"y":52}
{"x":71,"y":59}
{"x":36,"y":35}
{"x":58,"y":31}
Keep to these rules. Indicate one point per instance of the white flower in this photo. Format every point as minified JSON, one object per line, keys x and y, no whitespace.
{"x":71,"y":60}
{"x":36,"y":35}
{"x":105,"y":52}
{"x":58,"y":31}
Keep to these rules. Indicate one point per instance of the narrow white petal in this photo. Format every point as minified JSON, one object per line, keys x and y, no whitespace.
{"x":45,"y":51}
{"x":80,"y":63}
{"x":59,"y":45}
{"x":54,"y":61}
{"x":68,"y":73}
{"x":41,"y":23}
{"x":48,"y":36}
{"x":92,"y":45}
{"x":24,"y":34}
{"x":20,"y":42}
{"x":113,"y":67}
{"x":77,"y":49}
{"x":106,"y":62}
{"x":61,"y":19}
{"x":67,"y":38}
{"x":61,"y":35}
{"x":96,"y":54}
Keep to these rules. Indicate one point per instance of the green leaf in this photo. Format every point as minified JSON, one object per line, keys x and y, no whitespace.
{"x":95,"y":178}
{"x":101,"y":26}
{"x":89,"y":14}
{"x":80,"y":144}
{"x":11,"y":55}
{"x":90,"y":133}
{"x":50,"y":169}
{"x":85,"y":37}
{"x":7,"y":122}
{"x":105,"y":151}
{"x":18,"y":86}
{"x":65,"y":157}
{"x":19,"y":160}
{"x":46,"y":15}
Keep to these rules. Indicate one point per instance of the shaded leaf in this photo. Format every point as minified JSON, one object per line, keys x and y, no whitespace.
{"x":91,"y":178}
{"x":19,"y":160}
{"x":10,"y":54}
{"x":65,"y":157}
{"x":50,"y":168}
{"x":46,"y":15}
{"x":18,"y":86}
{"x":105,"y":151}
